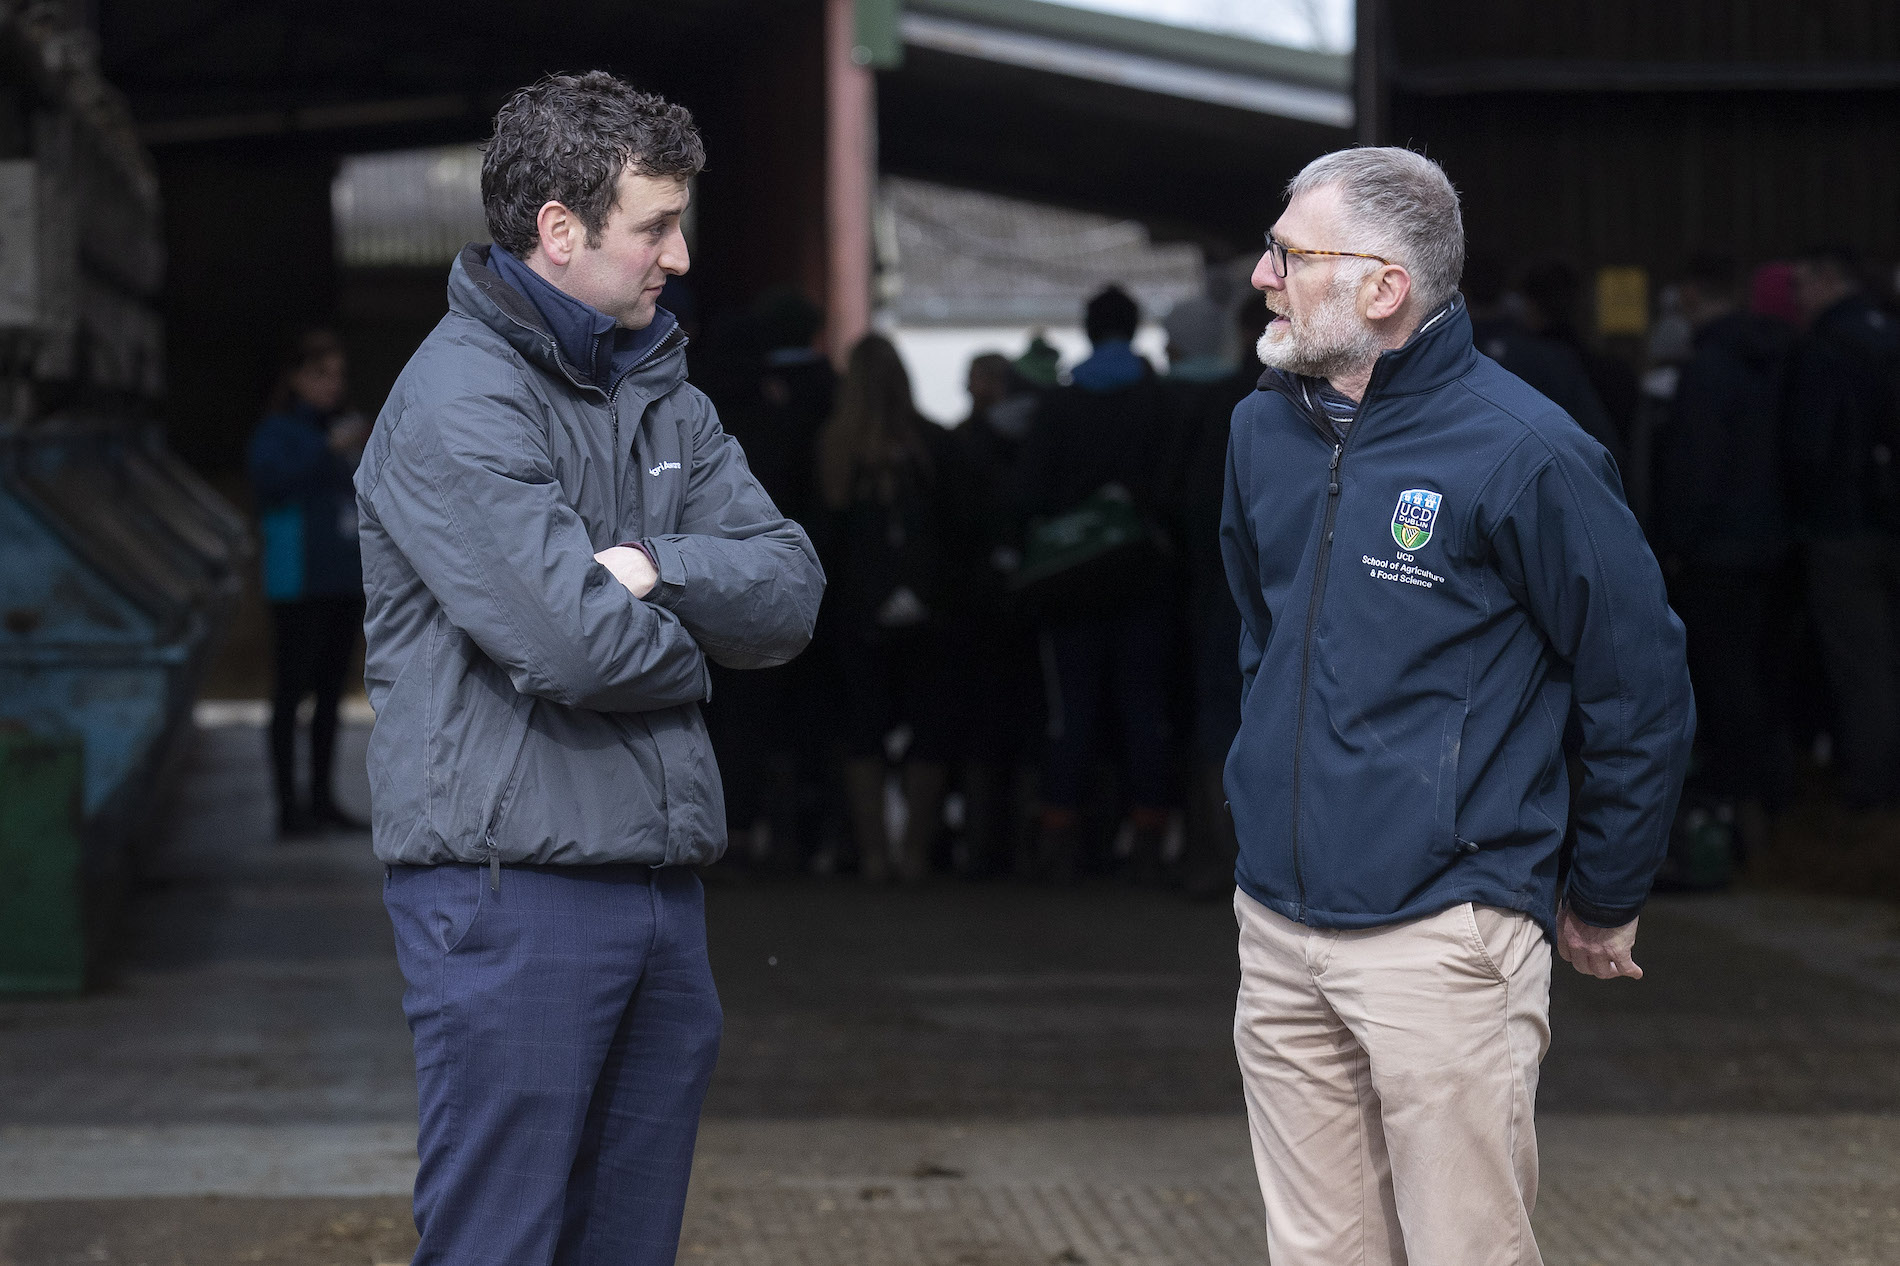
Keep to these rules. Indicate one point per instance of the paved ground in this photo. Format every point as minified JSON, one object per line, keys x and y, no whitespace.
{"x":970,"y":1076}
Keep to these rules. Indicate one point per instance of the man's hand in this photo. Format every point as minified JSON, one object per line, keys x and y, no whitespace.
{"x":1600,"y":952}
{"x":631,"y":567}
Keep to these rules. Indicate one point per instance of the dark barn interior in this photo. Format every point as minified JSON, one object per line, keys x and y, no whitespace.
{"x":203,"y":1055}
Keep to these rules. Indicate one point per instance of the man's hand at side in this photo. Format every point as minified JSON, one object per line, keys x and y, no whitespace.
{"x":1600,"y":952}
{"x":631,"y":567}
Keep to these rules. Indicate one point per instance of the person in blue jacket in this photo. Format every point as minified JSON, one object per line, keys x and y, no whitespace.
{"x":1436,"y":571}
{"x":302,"y":459}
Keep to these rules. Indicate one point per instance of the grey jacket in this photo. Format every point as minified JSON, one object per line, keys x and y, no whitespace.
{"x":528,"y":707}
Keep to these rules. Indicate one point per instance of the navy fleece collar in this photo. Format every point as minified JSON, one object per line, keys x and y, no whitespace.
{"x":1438,"y":351}
{"x":600,"y":350}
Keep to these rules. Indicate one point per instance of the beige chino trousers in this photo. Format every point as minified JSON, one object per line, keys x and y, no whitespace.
{"x":1390,"y":1076}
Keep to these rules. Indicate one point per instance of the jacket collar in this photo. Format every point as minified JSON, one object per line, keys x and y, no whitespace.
{"x":1439,"y":352}
{"x":655,"y":365}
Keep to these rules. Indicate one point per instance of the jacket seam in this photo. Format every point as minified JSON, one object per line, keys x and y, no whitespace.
{"x":481,"y":571}
{"x":1622,"y":697}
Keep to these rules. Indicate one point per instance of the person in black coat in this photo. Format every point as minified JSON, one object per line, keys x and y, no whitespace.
{"x":1841,"y":440}
{"x":1105,"y":433}
{"x":995,"y":695}
{"x":881,"y":470}
{"x":774,"y":391}
{"x":1203,"y":385}
{"x":1721,"y":530}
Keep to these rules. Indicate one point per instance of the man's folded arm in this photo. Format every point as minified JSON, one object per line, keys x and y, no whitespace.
{"x":472,"y":503}
{"x":741,"y":577}
{"x":1570,"y":548}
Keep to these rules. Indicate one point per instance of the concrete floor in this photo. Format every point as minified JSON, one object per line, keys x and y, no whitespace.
{"x":968,"y":1075}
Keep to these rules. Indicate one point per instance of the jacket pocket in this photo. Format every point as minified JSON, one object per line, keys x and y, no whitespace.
{"x":510,"y":785}
{"x":1379,"y":807}
{"x":1450,"y":762}
{"x":475,"y":741}
{"x":584,"y":788}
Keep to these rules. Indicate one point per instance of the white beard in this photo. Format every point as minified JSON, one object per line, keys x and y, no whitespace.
{"x":1329,"y":342}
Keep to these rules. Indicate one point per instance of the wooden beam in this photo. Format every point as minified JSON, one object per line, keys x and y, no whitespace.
{"x":850,"y":169}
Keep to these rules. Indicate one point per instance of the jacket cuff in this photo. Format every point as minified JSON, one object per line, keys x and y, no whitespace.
{"x":1601,"y":916}
{"x":670,"y":563}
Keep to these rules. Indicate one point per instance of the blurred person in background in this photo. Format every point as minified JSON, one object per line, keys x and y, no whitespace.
{"x":881,"y":477}
{"x":1771,"y":293}
{"x":1721,"y":532}
{"x":1841,"y":442}
{"x":1203,"y":385}
{"x":1105,"y":435}
{"x":302,"y":458}
{"x":1433,"y":566}
{"x":1552,"y":367}
{"x":994,"y":685}
{"x":800,"y":390}
{"x":774,"y":391}
{"x":1554,"y":308}
{"x":1040,"y":364}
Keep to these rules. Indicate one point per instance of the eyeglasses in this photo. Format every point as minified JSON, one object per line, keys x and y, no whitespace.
{"x":1277,"y":251}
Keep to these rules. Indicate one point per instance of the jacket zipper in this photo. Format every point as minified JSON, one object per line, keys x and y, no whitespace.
{"x":673,"y":337}
{"x":1382,"y":370}
{"x":1320,"y":568}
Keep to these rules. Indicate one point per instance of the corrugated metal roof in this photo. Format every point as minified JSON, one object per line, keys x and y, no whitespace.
{"x":963,"y":257}
{"x":1312,"y":86}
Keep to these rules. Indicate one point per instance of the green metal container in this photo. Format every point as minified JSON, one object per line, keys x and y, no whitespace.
{"x":42,"y":889}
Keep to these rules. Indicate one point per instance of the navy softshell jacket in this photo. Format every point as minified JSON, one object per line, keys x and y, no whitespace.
{"x":1423,"y":605}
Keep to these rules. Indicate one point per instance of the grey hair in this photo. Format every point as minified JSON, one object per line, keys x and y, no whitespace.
{"x":1399,"y":204}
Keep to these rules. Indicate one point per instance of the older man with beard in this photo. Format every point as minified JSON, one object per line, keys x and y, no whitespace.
{"x":1435,"y":570}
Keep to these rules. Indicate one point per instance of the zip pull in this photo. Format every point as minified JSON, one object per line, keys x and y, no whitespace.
{"x":1332,"y":488}
{"x":494,"y":867}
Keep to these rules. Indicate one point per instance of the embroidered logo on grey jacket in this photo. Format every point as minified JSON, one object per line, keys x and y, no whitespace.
{"x":664,"y":466}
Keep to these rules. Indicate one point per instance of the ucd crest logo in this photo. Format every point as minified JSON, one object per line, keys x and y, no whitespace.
{"x":1412,"y":521}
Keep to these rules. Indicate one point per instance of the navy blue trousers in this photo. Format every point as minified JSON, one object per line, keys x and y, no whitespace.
{"x":566,"y":1027}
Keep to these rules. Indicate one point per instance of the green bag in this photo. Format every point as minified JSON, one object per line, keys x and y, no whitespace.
{"x":1092,"y":558}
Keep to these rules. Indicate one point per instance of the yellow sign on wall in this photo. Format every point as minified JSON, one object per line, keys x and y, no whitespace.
{"x":1622,"y":301}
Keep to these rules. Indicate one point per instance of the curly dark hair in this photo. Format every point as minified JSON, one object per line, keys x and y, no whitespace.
{"x":566,"y":139}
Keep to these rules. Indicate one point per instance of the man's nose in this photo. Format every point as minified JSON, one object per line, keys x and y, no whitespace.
{"x":1264,"y":278}
{"x":674,"y":259}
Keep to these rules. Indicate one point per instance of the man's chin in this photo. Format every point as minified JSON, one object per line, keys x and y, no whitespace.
{"x":638,"y":319}
{"x":1277,"y":350}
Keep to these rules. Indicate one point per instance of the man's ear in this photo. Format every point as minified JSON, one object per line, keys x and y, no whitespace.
{"x":1391,"y":286}
{"x":561,"y":232}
